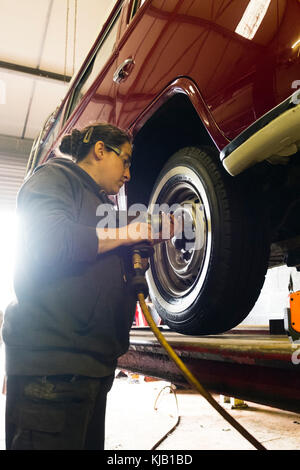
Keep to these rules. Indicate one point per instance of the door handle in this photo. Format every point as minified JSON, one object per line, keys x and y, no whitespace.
{"x":123,"y":70}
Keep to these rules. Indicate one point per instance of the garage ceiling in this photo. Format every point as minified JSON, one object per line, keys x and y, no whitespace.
{"x":37,"y":36}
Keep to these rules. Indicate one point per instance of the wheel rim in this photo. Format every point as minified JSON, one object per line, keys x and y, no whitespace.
{"x":180,"y":266}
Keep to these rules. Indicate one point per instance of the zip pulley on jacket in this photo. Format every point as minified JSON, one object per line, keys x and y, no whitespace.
{"x":139,"y":284}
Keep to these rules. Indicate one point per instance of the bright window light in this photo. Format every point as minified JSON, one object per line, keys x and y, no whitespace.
{"x":252,"y":18}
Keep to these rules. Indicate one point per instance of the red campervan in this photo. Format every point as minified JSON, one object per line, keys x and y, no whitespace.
{"x":209,"y":91}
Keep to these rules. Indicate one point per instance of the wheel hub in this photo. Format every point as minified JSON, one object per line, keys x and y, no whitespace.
{"x":181,"y":248}
{"x":184,"y":252}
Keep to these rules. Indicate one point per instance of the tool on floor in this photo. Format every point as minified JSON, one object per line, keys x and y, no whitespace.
{"x":172,"y":390}
{"x":145,"y":250}
{"x":292,"y":314}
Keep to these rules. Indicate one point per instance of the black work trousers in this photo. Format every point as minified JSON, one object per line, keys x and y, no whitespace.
{"x":56,"y":412}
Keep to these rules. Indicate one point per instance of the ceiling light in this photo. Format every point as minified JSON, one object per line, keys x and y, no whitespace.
{"x":297,"y":43}
{"x":252,"y":18}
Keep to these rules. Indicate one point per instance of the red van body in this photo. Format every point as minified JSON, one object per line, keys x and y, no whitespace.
{"x":209,"y":91}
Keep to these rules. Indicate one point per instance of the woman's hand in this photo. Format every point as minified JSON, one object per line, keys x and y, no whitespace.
{"x":135,"y":232}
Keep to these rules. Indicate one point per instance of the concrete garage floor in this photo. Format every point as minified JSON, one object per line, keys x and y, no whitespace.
{"x":133,"y":424}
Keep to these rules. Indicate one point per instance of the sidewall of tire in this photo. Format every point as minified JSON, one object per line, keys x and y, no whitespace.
{"x":216,"y":307}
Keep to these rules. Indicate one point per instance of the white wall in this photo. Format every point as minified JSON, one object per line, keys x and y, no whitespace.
{"x":274,"y":296}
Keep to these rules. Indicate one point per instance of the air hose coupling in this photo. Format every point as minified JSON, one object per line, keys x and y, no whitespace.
{"x":139,"y":251}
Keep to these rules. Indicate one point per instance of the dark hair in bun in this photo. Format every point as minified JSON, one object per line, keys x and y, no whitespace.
{"x":70,"y":143}
{"x":78,"y":143}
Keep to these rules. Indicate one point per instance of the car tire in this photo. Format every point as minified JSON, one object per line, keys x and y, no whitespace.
{"x":211,"y":287}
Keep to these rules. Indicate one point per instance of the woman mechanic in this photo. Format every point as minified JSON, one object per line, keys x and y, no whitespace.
{"x":74,"y":307}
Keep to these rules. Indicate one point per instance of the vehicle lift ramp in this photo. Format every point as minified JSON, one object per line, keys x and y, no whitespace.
{"x":245,"y":363}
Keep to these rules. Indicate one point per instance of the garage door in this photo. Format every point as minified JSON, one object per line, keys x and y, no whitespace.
{"x":14,"y":154}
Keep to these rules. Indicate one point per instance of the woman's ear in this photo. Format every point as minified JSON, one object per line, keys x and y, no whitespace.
{"x":99,"y":149}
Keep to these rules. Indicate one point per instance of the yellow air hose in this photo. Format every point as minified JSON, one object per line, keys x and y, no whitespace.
{"x":192,"y":379}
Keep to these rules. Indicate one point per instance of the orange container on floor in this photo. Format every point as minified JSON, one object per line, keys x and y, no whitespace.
{"x":295,"y":310}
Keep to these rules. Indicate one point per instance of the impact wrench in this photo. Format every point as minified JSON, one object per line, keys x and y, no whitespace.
{"x":140,"y":286}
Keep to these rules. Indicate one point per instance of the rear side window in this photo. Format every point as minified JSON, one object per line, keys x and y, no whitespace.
{"x":135,"y":6}
{"x":44,"y":141}
{"x":102,"y":54}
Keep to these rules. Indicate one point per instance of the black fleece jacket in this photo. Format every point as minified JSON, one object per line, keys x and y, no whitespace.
{"x":74,"y":308}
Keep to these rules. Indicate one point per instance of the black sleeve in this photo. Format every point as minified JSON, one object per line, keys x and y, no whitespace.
{"x":48,"y":221}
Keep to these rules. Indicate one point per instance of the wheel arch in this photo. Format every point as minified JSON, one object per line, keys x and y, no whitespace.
{"x":174,"y":121}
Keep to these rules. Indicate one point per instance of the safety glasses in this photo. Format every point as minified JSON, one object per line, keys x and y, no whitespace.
{"x":126,"y":163}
